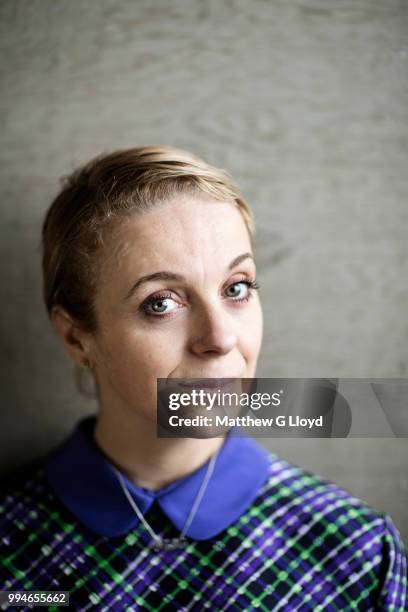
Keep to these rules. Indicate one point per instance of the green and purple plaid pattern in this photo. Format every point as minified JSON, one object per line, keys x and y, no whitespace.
{"x":304,"y":544}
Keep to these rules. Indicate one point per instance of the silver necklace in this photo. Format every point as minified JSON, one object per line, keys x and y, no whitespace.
{"x":160,"y":543}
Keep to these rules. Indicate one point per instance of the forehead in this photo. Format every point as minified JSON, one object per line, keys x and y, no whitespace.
{"x":186,"y":231}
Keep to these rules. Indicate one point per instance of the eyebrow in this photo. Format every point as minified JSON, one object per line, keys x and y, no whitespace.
{"x":165,"y":275}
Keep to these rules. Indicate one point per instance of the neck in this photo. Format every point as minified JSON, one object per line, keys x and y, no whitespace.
{"x":146,"y":460}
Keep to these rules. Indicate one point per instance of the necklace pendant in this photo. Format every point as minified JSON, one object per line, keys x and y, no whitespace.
{"x":170,"y":544}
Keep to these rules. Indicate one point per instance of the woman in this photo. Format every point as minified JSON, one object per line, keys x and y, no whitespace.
{"x":149,"y":274}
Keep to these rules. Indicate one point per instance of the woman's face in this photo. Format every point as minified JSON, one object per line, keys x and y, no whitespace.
{"x":174,"y":301}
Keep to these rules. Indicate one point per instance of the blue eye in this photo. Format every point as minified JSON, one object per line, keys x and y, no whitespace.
{"x":242,"y":290}
{"x":158,"y":305}
{"x":238,"y":290}
{"x":163,"y":305}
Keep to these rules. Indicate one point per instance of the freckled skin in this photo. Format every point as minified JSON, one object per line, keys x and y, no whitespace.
{"x":207,"y":333}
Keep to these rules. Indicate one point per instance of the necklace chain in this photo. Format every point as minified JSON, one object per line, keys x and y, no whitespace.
{"x":160,"y":543}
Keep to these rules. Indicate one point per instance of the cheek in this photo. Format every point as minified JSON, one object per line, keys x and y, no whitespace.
{"x":251,"y":339}
{"x":252,"y":330}
{"x":131,"y":363}
{"x":137,"y":359}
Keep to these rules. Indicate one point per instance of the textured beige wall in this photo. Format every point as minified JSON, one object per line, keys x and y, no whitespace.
{"x":305,"y":102}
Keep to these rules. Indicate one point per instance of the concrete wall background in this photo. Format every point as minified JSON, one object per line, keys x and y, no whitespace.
{"x":305,"y":102}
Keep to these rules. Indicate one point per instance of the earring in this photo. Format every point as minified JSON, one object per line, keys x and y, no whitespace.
{"x":86,"y":364}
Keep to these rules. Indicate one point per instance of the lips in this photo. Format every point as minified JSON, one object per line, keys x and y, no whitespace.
{"x":207,"y":382}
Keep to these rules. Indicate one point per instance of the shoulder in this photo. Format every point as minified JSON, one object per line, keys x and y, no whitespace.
{"x":22,"y":482}
{"x":338,"y":534}
{"x":33,"y":523}
{"x":317,"y":497}
{"x":25,"y":496}
{"x":27,"y":503}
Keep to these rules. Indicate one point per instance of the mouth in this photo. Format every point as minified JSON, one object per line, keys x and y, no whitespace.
{"x":207,"y":383}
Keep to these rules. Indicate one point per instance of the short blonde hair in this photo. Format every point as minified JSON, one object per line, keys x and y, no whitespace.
{"x":110,"y":186}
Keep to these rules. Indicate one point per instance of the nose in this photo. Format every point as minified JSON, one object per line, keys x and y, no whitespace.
{"x":213,"y":332}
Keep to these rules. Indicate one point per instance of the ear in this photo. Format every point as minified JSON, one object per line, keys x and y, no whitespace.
{"x":75,"y":340}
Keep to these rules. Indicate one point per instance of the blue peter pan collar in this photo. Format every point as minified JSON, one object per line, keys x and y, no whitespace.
{"x":83,"y":479}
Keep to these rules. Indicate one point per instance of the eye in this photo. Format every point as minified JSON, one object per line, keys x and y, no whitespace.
{"x":159,"y":305}
{"x":241,"y":291}
{"x":164,"y":305}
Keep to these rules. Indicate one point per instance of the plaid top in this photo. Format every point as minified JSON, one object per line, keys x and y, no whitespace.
{"x":301,"y":544}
